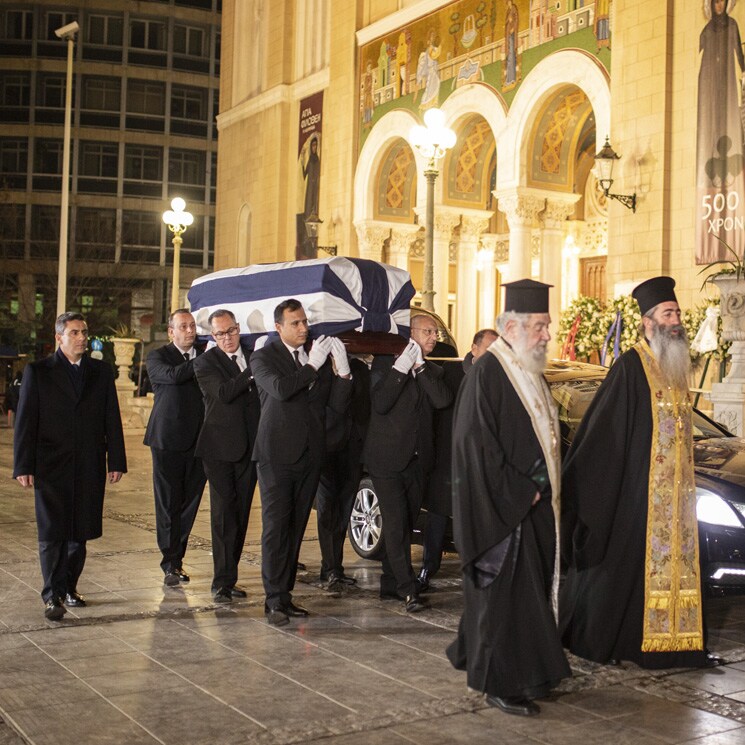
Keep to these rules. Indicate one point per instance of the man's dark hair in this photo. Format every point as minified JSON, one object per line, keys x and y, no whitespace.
{"x":220,"y":313}
{"x":61,"y":323}
{"x":290,"y":304}
{"x":175,"y":313}
{"x":479,"y":335}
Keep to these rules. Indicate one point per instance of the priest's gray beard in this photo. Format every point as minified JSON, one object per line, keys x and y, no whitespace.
{"x":531,"y":359}
{"x":672,"y":353}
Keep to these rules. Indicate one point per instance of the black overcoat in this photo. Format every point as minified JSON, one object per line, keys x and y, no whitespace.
{"x":64,"y":441}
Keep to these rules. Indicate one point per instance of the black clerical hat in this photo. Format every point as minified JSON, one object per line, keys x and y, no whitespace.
{"x":653,"y":292}
{"x":526,"y":296}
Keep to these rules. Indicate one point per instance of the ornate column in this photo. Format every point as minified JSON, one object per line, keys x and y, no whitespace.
{"x":402,"y":236}
{"x":445,"y":221}
{"x":558,"y":209}
{"x":521,"y":208}
{"x":371,"y":235}
{"x":469,"y":271}
{"x":487,"y":265}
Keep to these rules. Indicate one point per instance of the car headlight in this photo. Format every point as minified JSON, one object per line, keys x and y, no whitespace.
{"x":712,"y":509}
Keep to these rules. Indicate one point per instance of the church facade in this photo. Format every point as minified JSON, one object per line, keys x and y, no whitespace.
{"x":318,"y":99}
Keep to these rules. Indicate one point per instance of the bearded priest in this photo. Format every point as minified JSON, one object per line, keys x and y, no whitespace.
{"x":506,"y":467}
{"x":633,"y":588}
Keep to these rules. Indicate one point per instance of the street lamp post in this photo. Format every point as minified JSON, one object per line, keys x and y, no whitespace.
{"x":432,"y":141}
{"x":178,"y":220}
{"x":68,"y":33}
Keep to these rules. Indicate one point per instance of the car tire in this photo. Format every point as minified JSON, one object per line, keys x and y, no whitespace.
{"x":366,"y":523}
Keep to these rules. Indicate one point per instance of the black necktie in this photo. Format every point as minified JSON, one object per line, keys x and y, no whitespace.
{"x":296,"y":354}
{"x":234,"y":357}
{"x":77,"y":378}
{"x":186,"y":356}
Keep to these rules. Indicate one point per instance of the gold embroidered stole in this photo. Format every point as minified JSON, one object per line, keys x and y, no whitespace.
{"x":672,"y":586}
{"x":536,"y":397}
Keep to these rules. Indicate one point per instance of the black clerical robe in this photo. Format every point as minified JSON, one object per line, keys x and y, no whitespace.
{"x":605,"y":486}
{"x":507,"y":641}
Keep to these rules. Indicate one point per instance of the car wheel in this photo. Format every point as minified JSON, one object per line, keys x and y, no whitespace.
{"x":366,"y":523}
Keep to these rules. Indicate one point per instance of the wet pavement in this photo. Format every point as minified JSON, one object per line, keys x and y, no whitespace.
{"x":148,"y":664}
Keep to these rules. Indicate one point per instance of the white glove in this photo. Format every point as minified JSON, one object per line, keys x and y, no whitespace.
{"x":419,"y":357}
{"x":319,"y":352}
{"x":405,"y":361}
{"x":339,"y":353}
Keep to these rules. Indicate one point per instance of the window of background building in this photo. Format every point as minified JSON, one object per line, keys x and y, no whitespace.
{"x":15,"y":89}
{"x":17,"y":24}
{"x":186,"y":167}
{"x":143,"y":163}
{"x":95,"y":234}
{"x":12,"y":231}
{"x":98,"y":167}
{"x":189,"y":103}
{"x":44,"y":230}
{"x":105,"y":30}
{"x":141,"y":237}
{"x":50,"y":91}
{"x":189,"y":40}
{"x":13,"y":158}
{"x":102,"y":94}
{"x":48,"y":156}
{"x":144,"y":97}
{"x":147,"y":34}
{"x":56,"y":20}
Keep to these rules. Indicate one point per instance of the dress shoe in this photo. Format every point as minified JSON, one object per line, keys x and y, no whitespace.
{"x":613,"y":662}
{"x":423,"y":580}
{"x":170,"y":579}
{"x":238,"y":592}
{"x":295,"y":611}
{"x":182,"y":575}
{"x":390,"y":595}
{"x":713,"y":660}
{"x":414,"y":604}
{"x":276,"y":617}
{"x":223,"y":595}
{"x":54,"y":610}
{"x":345,"y":579}
{"x":75,"y":600}
{"x":522,"y":707}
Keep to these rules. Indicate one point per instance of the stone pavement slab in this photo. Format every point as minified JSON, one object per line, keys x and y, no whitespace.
{"x":148,"y":664}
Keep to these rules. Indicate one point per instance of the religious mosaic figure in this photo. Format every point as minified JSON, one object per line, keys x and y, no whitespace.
{"x":720,"y":182}
{"x":428,"y":71}
{"x":312,"y":176}
{"x":510,"y":44}
{"x":368,"y":102}
{"x":602,"y":23}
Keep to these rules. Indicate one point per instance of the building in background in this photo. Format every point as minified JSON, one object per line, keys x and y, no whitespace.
{"x":145,"y":96}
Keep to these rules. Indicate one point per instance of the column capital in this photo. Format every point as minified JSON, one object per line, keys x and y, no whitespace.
{"x":558,"y":209}
{"x":474,"y":223}
{"x":521,"y":206}
{"x":402,"y":236}
{"x":371,"y":235}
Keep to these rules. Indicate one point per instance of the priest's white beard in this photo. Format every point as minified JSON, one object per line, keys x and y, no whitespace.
{"x":672,"y":353}
{"x":532,"y":359}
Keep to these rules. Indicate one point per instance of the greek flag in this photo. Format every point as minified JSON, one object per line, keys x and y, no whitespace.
{"x":337,"y":293}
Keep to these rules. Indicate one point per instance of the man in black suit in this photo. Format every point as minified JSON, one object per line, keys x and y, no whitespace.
{"x":178,"y":475}
{"x":295,"y":386}
{"x":231,"y":416}
{"x":68,"y":426}
{"x":399,"y":450}
{"x":438,"y":496}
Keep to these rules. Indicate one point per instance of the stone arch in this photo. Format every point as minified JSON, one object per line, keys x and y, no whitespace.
{"x":393,"y":126}
{"x":551,"y":74}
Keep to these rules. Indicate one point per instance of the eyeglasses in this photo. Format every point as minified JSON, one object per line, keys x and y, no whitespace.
{"x":425,"y":332}
{"x":228,"y":332}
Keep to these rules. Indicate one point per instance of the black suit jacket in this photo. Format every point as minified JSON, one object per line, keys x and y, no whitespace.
{"x":292,"y":411}
{"x":401,"y":421}
{"x":64,"y":441}
{"x":231,"y":406}
{"x":177,"y":410}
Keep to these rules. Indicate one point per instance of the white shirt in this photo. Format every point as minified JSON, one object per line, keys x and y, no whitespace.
{"x":191,"y":352}
{"x":303,"y":356}
{"x":239,"y":358}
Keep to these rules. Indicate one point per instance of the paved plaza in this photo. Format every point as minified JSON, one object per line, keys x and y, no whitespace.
{"x":148,"y":664}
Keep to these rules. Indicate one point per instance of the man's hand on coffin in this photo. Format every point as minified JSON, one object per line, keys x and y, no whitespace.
{"x":319,"y":352}
{"x":339,"y":354}
{"x":405,"y":361}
